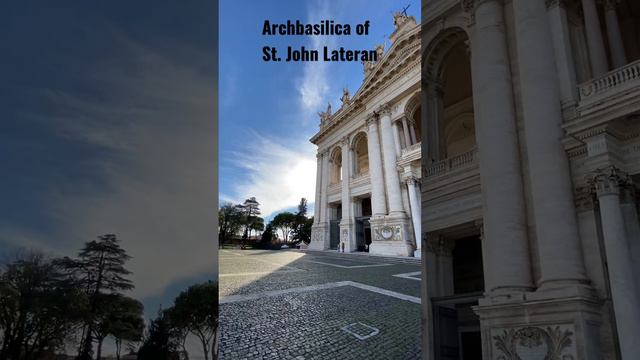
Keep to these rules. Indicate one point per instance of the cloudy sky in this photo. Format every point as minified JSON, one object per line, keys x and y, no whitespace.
{"x":268,"y":110}
{"x":107,"y":123}
{"x":107,"y":126}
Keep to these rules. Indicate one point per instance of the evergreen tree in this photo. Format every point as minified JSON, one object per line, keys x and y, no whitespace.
{"x":160,"y":342}
{"x":302,"y":227}
{"x":267,"y":236}
{"x":99,"y":269}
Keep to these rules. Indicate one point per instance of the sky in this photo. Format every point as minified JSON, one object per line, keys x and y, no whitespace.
{"x":269,"y":110}
{"x":107,"y":125}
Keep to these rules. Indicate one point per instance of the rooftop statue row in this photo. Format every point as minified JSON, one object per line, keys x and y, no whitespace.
{"x":401,"y":23}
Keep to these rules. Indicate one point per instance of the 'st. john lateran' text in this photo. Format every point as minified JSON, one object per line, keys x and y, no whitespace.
{"x":304,"y":54}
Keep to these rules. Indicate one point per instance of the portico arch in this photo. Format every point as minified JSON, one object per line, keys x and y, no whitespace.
{"x":412,"y":112}
{"x":449,"y":95}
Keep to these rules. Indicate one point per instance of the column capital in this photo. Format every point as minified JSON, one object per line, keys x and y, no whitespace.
{"x":609,"y":181}
{"x":437,"y":244}
{"x":555,"y":3}
{"x":344,"y":141}
{"x":609,"y":5}
{"x":372,"y":119}
{"x":412,"y":180}
{"x":470,"y":6}
{"x":384,"y":109}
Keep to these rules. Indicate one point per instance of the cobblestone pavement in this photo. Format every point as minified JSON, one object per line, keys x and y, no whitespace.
{"x":294,"y":305}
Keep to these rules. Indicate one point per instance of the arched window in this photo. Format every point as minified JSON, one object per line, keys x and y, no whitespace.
{"x":361,"y":154}
{"x":336,"y":166}
{"x":457,"y":117}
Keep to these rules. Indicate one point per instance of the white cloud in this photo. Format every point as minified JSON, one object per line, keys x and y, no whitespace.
{"x":313,"y":86}
{"x":277,"y":175}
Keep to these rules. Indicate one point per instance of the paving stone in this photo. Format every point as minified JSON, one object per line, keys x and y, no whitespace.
{"x":308,"y":325}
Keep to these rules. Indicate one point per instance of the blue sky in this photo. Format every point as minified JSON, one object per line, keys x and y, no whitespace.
{"x":107,"y":126}
{"x":268,"y":111}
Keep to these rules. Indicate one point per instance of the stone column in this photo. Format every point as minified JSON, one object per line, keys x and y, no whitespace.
{"x":346,"y":235}
{"x":391,"y":178}
{"x":442,"y":258}
{"x":613,"y":31}
{"x":559,"y":246}
{"x":597,"y":53}
{"x":396,"y":137}
{"x":412,"y":132}
{"x":405,"y":130}
{"x":378,"y":205}
{"x":563,"y":52}
{"x":416,"y":210}
{"x":316,"y":205}
{"x":629,"y":206}
{"x":324,"y":214}
{"x":432,"y":111}
{"x":500,"y":174}
{"x":621,"y":276}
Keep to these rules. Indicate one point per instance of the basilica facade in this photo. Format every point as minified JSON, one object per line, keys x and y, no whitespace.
{"x":368,"y":174}
{"x":530,"y":171}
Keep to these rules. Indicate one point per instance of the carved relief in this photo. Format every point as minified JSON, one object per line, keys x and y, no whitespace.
{"x":387,"y":233}
{"x":317,"y":236}
{"x":529,"y":343}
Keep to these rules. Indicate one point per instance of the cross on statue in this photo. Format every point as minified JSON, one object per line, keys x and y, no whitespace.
{"x":404,"y":11}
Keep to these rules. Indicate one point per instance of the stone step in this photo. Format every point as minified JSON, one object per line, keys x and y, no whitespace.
{"x":362,"y":255}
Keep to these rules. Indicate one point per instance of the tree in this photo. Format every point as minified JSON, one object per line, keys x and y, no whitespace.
{"x":285,"y":222}
{"x":250,"y":208}
{"x":39,"y":309}
{"x":257,"y":224}
{"x":230,"y":220}
{"x":160,"y":342}
{"x":302,"y":227}
{"x":267,"y":236}
{"x":99,"y":269}
{"x":120,"y":317}
{"x":196,"y":311}
{"x":178,"y":330}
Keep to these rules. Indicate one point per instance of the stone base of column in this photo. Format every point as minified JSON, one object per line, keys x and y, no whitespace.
{"x":347,"y":236}
{"x":319,"y":237}
{"x":560,"y":328}
{"x":417,"y":253}
{"x":392,"y":236}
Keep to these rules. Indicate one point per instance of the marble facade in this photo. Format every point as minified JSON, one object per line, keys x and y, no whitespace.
{"x":368,"y":172}
{"x":530,"y":171}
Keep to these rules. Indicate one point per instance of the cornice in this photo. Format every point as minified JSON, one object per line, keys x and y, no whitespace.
{"x":404,"y":54}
